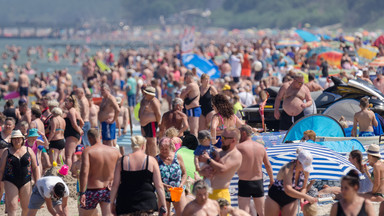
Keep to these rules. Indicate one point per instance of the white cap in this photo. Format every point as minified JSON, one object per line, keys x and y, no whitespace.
{"x":305,"y":158}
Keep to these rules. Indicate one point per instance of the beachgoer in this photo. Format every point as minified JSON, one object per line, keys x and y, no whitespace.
{"x":236,"y":59}
{"x":84,"y":113}
{"x":224,"y":118}
{"x":356,"y":158}
{"x":51,"y":105}
{"x":76,"y":166}
{"x":23,"y":85}
{"x":17,"y":168}
{"x":56,"y":139}
{"x":351,"y":203}
{"x":379,"y":81}
{"x":108,"y":114}
{"x":206,"y":93}
{"x":131,"y":87}
{"x":72,"y":131}
{"x":174,"y":118}
{"x":5,"y":141}
{"x":191,"y":97}
{"x":123,"y":117}
{"x":312,"y":85}
{"x":150,"y":115}
{"x":246,"y":97}
{"x":25,"y":112}
{"x":366,"y":120}
{"x":251,"y":180}
{"x":294,"y":96}
{"x":96,"y":175}
{"x":173,"y":134}
{"x":309,"y":135}
{"x":201,"y":205}
{"x":205,"y":145}
{"x":52,"y":191}
{"x":324,"y":67}
{"x":93,"y":112}
{"x":227,"y":166}
{"x":290,"y":185}
{"x":226,"y":209}
{"x":11,"y":111}
{"x":136,"y":177}
{"x":377,"y":175}
{"x":44,"y":107}
{"x":38,"y":146}
{"x":36,"y":121}
{"x":172,"y":171}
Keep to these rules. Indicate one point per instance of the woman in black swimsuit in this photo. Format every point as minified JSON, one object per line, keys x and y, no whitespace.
{"x":206,"y":93}
{"x":5,"y":141}
{"x":352,"y":203}
{"x":72,"y":131}
{"x":16,"y":169}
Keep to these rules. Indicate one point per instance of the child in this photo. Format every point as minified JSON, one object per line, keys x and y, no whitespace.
{"x":366,"y":120}
{"x":204,"y":138}
{"x":172,"y":134}
{"x":75,"y":169}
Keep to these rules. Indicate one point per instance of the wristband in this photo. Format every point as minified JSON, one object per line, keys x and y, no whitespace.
{"x":208,"y":161}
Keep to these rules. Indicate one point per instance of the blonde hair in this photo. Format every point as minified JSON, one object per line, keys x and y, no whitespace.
{"x":53,"y":103}
{"x":137,"y":142}
{"x":310,"y":209}
{"x":311,"y":134}
{"x":57,"y":111}
{"x":171,"y":132}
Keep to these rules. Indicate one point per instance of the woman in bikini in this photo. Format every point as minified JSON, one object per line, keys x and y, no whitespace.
{"x":352,"y":203}
{"x":56,"y":137}
{"x":207,"y":91}
{"x":17,"y":167}
{"x":377,"y":175}
{"x":223,"y":118}
{"x":290,"y":185}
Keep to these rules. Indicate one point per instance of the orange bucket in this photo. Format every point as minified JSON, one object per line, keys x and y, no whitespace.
{"x":176,"y":193}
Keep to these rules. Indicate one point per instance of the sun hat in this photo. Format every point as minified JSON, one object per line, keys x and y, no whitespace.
{"x":33,"y":132}
{"x":16,"y":134}
{"x":150,"y":91}
{"x":79,"y":149}
{"x":305,"y":158}
{"x":374,"y":150}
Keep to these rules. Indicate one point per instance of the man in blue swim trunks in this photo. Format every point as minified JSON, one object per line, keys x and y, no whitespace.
{"x":366,"y":120}
{"x":191,"y":97}
{"x":108,"y":114}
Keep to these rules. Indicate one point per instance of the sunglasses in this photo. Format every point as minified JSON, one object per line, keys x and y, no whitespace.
{"x":226,"y":138}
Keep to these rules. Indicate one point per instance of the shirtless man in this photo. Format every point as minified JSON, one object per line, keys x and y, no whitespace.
{"x":123,"y":117}
{"x":191,"y":97}
{"x":226,"y":167}
{"x":23,"y":85}
{"x":226,"y":209}
{"x":25,"y":112}
{"x":93,"y":111}
{"x":201,"y":205}
{"x":296,"y":97}
{"x":84,"y":112}
{"x":36,"y":121}
{"x":149,"y":115}
{"x":312,"y":85}
{"x":365,"y":118}
{"x":108,"y":114}
{"x":251,"y":180}
{"x":174,"y":118}
{"x":379,"y":81}
{"x":96,"y":175}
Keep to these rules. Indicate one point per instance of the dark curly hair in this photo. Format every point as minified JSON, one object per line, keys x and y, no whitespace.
{"x":223,"y":106}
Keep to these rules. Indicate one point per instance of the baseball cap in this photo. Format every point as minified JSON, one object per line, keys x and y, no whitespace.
{"x":79,"y":149}
{"x":305,"y":158}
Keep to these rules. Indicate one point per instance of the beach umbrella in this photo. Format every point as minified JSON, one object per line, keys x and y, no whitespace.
{"x":378,"y":62}
{"x":307,"y":36}
{"x":327,"y":164}
{"x":321,"y":49}
{"x":333,"y":58}
{"x":368,"y":52}
{"x":379,"y":41}
{"x":287,"y":43}
{"x":202,"y":65}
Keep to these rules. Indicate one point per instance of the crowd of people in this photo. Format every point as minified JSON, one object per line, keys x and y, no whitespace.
{"x":78,"y":125}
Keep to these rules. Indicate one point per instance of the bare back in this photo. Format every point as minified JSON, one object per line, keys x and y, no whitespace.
{"x":365,"y":119}
{"x":102,"y":162}
{"x":210,"y":208}
{"x":253,"y":154}
{"x":173,"y":118}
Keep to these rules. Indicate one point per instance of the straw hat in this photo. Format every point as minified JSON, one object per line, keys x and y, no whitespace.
{"x":150,"y":91}
{"x":16,"y":134}
{"x":374,"y":150}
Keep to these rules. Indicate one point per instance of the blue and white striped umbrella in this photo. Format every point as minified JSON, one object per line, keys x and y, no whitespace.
{"x":327,"y":164}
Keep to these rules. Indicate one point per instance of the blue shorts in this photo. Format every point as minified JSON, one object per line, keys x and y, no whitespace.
{"x":108,"y":131}
{"x":366,"y":134}
{"x":194,"y":112}
{"x":23,"y":91}
{"x":36,"y":200}
{"x":122,"y":84}
{"x":131,"y":100}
